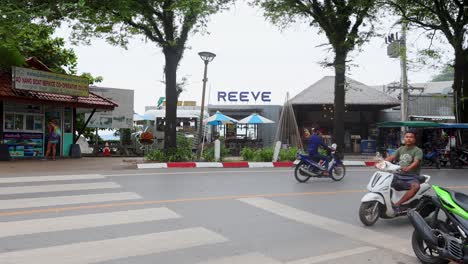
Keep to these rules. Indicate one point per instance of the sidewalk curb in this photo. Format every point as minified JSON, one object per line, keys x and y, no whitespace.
{"x":238,"y":164}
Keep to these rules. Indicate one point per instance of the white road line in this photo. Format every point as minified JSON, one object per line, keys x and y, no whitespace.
{"x":58,"y":188}
{"x":332,"y":256}
{"x":111,"y":249}
{"x":35,"y":226}
{"x":51,"y":178}
{"x":251,"y":258}
{"x":332,"y":225}
{"x":65,"y":200}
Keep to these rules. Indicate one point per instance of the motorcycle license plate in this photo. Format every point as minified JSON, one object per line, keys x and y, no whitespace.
{"x":296,"y":162}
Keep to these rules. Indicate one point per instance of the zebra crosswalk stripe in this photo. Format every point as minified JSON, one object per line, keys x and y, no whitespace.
{"x":58,"y":188}
{"x":66,"y":200}
{"x":43,"y":225}
{"x":51,"y":178}
{"x":250,"y":258}
{"x":117,"y":248}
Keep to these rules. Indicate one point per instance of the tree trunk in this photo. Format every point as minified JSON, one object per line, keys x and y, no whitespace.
{"x":339,"y":109}
{"x":170,"y":133}
{"x":460,"y":87}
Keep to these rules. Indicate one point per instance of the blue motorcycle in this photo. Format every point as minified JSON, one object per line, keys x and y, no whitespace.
{"x":431,"y":156}
{"x":307,"y":168}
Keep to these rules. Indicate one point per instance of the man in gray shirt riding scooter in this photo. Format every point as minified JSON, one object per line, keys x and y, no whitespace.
{"x":410,"y":159}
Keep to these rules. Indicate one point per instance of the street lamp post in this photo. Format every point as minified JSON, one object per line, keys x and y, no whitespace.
{"x":207,"y":57}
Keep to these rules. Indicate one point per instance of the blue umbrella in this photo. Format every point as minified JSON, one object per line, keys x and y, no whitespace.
{"x":219,"y":119}
{"x":255,"y":119}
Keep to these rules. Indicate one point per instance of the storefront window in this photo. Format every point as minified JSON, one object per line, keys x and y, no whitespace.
{"x":19,"y":122}
{"x":9,"y":121}
{"x":34,"y":123}
{"x":23,"y":118}
{"x":23,"y":122}
{"x":38,"y":123}
{"x":29,"y":122}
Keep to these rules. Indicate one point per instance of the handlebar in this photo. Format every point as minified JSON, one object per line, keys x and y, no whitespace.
{"x":384,"y":165}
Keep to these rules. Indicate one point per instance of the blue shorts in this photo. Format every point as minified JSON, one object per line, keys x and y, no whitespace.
{"x":404,"y":182}
{"x":54,"y":141}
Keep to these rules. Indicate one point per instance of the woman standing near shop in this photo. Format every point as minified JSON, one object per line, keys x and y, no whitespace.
{"x":54,"y":137}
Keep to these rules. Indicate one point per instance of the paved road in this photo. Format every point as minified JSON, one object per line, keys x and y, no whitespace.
{"x":209,"y":216}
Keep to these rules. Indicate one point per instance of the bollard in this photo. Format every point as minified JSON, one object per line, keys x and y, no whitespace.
{"x":277,"y":151}
{"x":217,"y":150}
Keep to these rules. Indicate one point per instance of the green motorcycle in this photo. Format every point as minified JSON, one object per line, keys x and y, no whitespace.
{"x":442,"y":237}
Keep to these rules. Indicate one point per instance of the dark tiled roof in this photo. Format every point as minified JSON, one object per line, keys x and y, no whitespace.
{"x":323,"y":92}
{"x":92,"y":101}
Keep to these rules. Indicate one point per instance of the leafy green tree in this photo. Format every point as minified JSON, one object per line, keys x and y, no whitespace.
{"x":167,"y":23}
{"x":445,"y":75}
{"x":23,"y":35}
{"x":347,"y":25}
{"x":449,"y":18}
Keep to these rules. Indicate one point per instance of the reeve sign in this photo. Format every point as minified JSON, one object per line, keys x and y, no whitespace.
{"x":244,"y":96}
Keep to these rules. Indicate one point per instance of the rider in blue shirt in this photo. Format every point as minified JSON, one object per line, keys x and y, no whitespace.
{"x":315,"y":141}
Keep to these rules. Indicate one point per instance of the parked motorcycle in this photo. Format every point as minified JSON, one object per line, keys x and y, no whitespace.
{"x":377,"y":203}
{"x":431,"y":157}
{"x":459,"y":158}
{"x":443,"y":237}
{"x":305,"y":168}
{"x":444,"y":157}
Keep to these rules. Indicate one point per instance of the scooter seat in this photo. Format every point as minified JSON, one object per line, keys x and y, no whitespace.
{"x":461,"y":199}
{"x":422,"y":179}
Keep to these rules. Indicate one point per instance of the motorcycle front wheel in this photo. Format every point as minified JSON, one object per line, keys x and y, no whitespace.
{"x":369,"y":212}
{"x":300,"y":177}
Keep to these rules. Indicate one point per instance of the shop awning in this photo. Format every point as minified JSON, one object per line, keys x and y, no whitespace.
{"x":417,"y":124}
{"x":92,"y":101}
{"x":454,"y":125}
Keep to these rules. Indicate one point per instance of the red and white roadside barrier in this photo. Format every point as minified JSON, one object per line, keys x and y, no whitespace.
{"x":234,"y":164}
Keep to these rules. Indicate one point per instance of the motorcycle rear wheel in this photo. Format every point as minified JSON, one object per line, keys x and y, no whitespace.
{"x":298,"y":175}
{"x":338,"y":172}
{"x":423,"y":252}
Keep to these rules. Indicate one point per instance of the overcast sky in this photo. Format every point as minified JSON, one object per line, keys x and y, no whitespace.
{"x":252,"y":55}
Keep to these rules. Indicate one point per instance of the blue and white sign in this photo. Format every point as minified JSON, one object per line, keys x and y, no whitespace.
{"x":243,"y":97}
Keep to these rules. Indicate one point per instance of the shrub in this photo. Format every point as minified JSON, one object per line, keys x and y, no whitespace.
{"x":248,"y":154}
{"x":264,"y":155}
{"x":208,"y":154}
{"x":289,"y":154}
{"x":156,"y":155}
{"x":183,"y":152}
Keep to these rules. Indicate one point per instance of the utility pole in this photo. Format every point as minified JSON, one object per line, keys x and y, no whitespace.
{"x":397,"y":48}
{"x":404,"y":73}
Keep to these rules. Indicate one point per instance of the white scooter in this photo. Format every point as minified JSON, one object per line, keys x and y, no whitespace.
{"x":377,"y":203}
